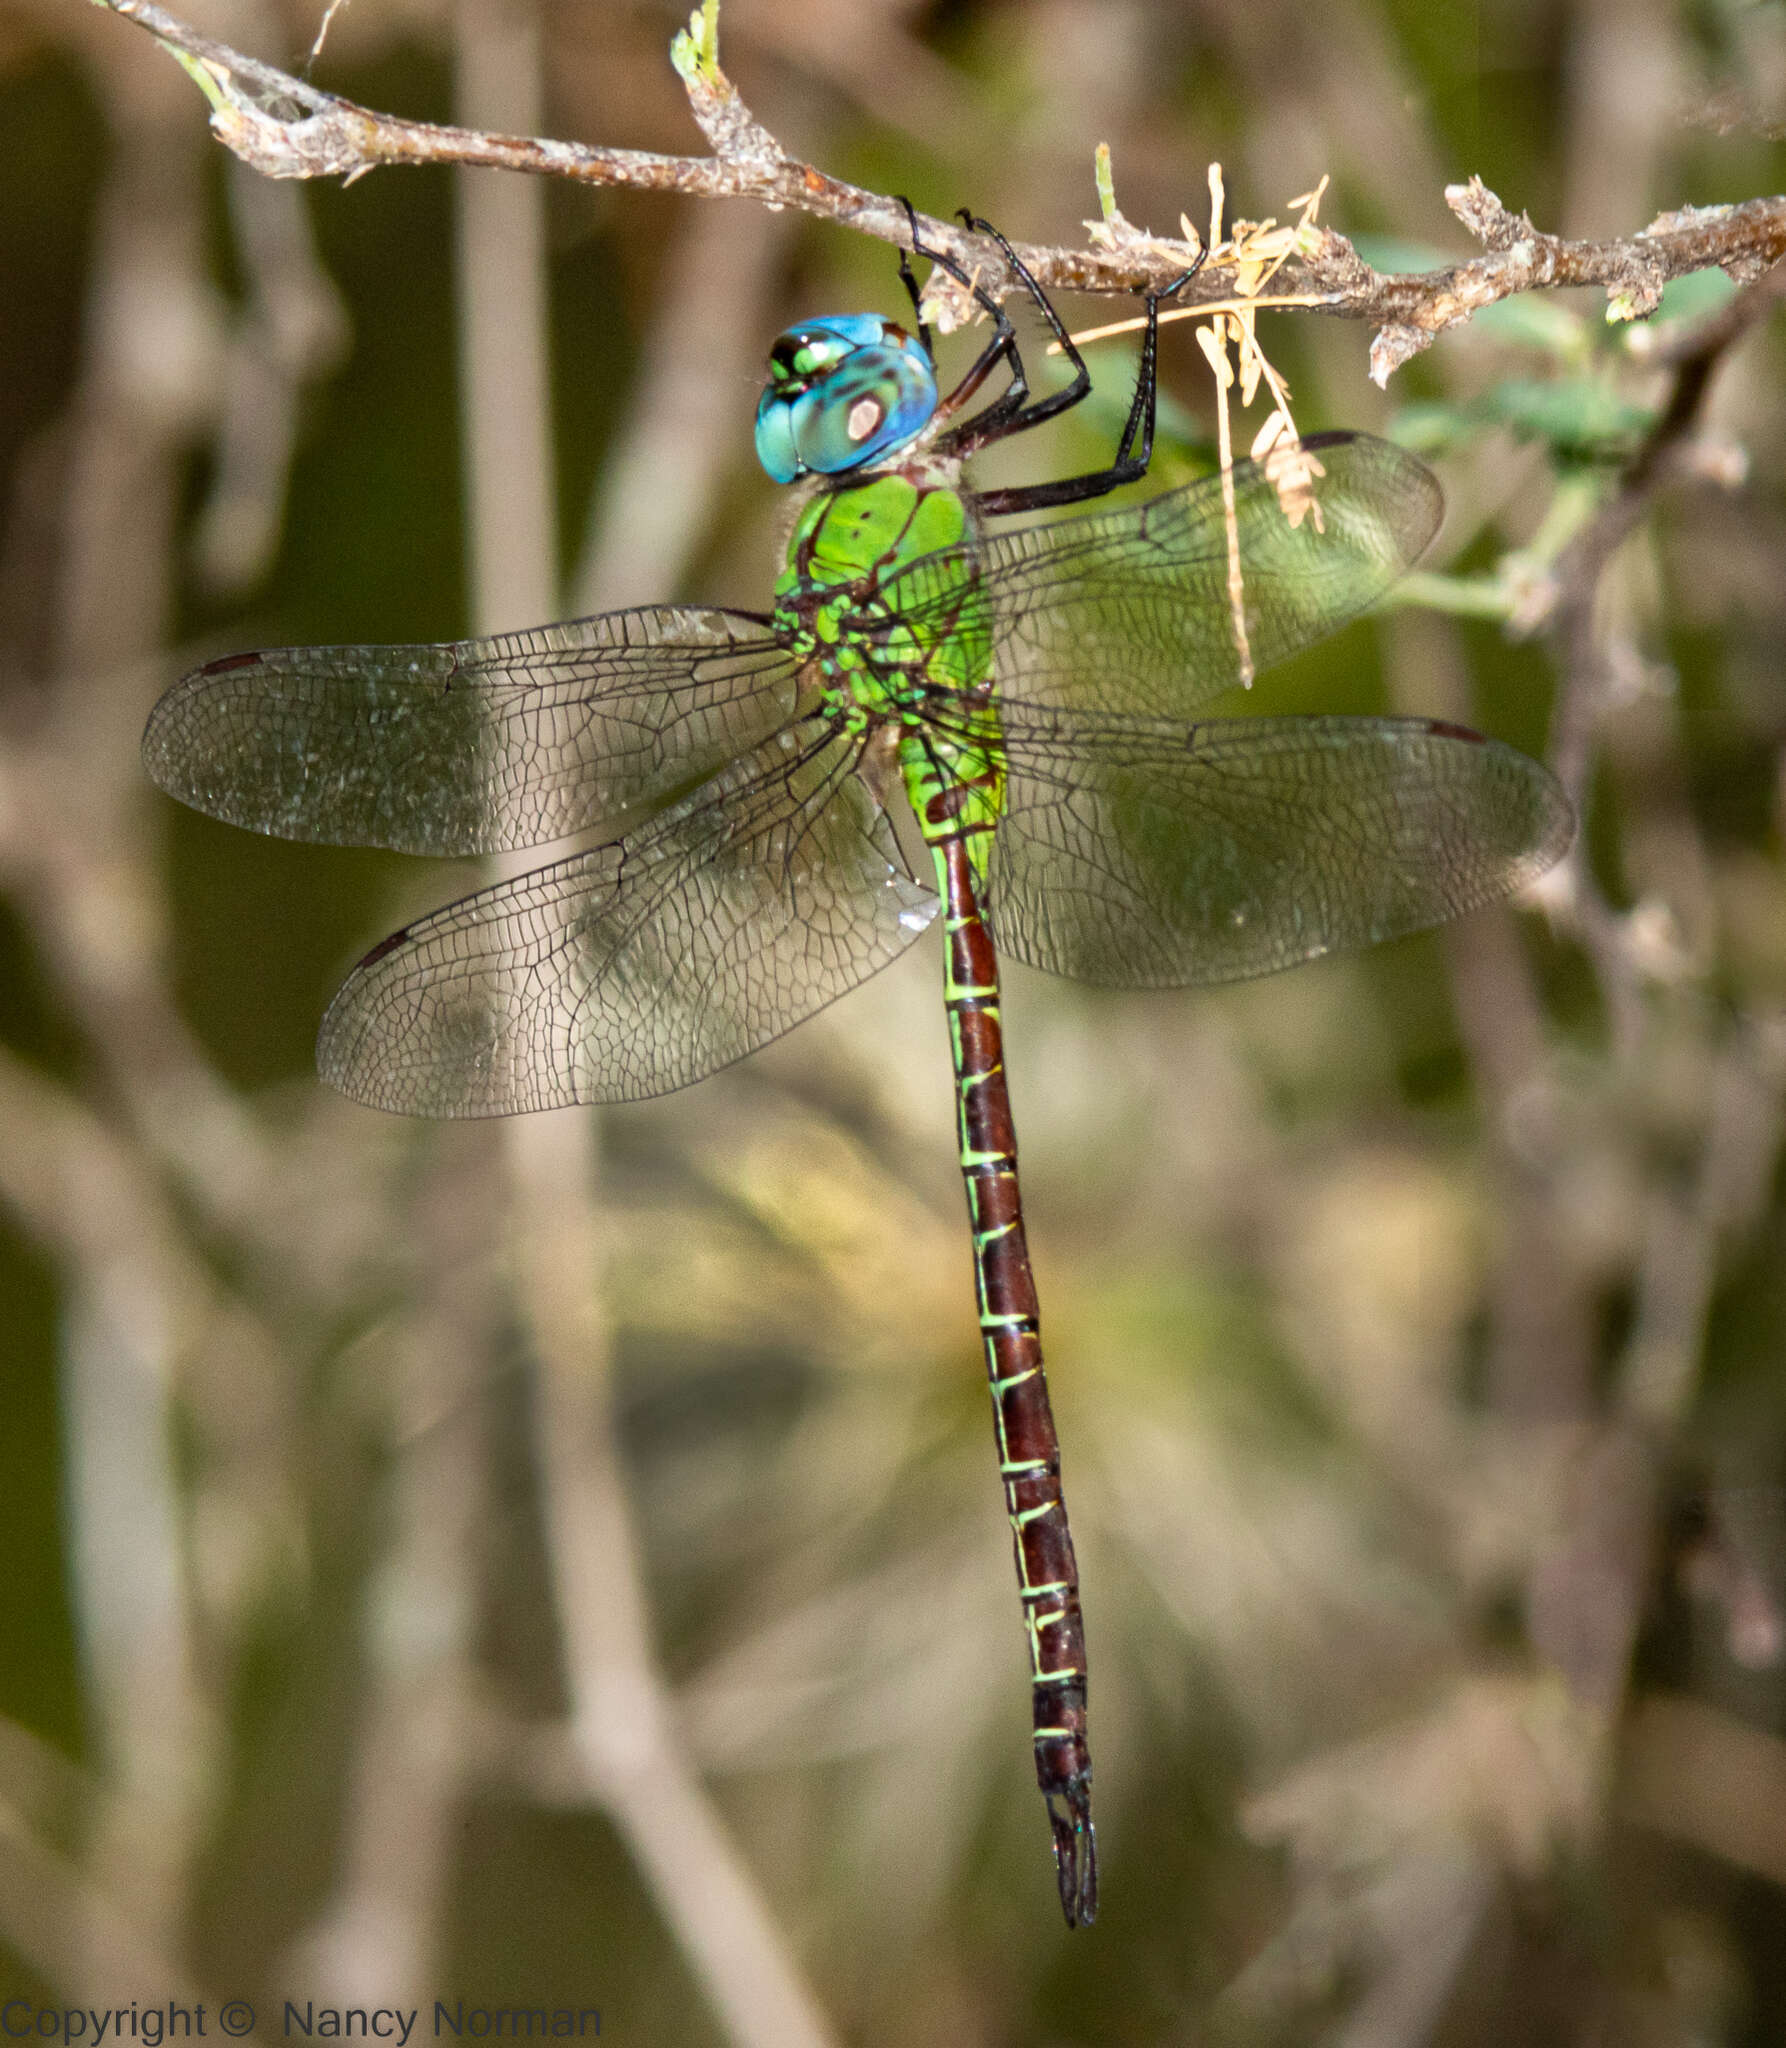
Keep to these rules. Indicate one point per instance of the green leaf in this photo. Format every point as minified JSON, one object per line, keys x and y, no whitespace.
{"x":1578,"y":416}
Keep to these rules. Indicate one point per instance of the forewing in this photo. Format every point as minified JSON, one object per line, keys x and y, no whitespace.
{"x":1130,"y":612}
{"x":641,"y":966}
{"x":1163,"y":858}
{"x":474,"y":746}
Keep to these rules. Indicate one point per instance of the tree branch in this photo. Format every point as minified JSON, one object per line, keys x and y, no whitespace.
{"x":286,"y":127}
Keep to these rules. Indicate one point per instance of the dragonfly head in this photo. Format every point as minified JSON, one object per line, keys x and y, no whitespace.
{"x":841,"y":392}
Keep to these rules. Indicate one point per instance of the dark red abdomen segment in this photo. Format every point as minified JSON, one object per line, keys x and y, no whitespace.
{"x":1028,"y":1449}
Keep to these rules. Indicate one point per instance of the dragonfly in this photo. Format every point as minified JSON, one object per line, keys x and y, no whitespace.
{"x":997,"y":725}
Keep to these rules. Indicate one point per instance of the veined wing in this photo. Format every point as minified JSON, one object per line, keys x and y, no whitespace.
{"x":1130,"y":612}
{"x":1160,"y":857}
{"x":643,"y":965}
{"x":473,"y":746}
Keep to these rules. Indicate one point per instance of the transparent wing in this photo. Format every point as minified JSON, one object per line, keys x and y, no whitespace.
{"x":1154,"y":857}
{"x":473,"y":746}
{"x":641,"y":966}
{"x":1129,"y":612}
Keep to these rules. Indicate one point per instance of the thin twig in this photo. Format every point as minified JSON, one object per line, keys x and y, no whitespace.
{"x":1577,"y":578}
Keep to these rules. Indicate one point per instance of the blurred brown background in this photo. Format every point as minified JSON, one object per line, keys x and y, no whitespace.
{"x":562,"y":1565}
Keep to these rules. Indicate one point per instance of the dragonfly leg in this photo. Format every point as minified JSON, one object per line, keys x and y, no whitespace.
{"x":1012,"y":415}
{"x":1014,"y":412}
{"x":908,"y":278}
{"x":1130,"y":462}
{"x":1011,"y":411}
{"x":1002,"y":348}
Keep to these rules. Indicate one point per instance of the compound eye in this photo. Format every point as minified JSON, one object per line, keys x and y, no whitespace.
{"x":841,"y":393}
{"x":784,"y":358}
{"x":804,"y":353}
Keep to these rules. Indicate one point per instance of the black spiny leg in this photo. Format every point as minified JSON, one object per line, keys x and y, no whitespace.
{"x":1011,"y":415}
{"x":1013,"y":411}
{"x":909,"y":280}
{"x":1131,"y":460}
{"x":1010,"y":412}
{"x":1002,"y":348}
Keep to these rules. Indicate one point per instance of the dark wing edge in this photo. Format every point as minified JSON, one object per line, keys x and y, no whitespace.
{"x":473,"y":746}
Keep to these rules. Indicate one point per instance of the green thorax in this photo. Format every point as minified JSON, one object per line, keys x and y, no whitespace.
{"x":889,"y":638}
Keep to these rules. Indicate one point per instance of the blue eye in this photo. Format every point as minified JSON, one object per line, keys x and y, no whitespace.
{"x":842,"y":391}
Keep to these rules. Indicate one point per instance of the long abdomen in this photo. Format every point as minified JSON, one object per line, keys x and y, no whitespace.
{"x":1028,"y":1449}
